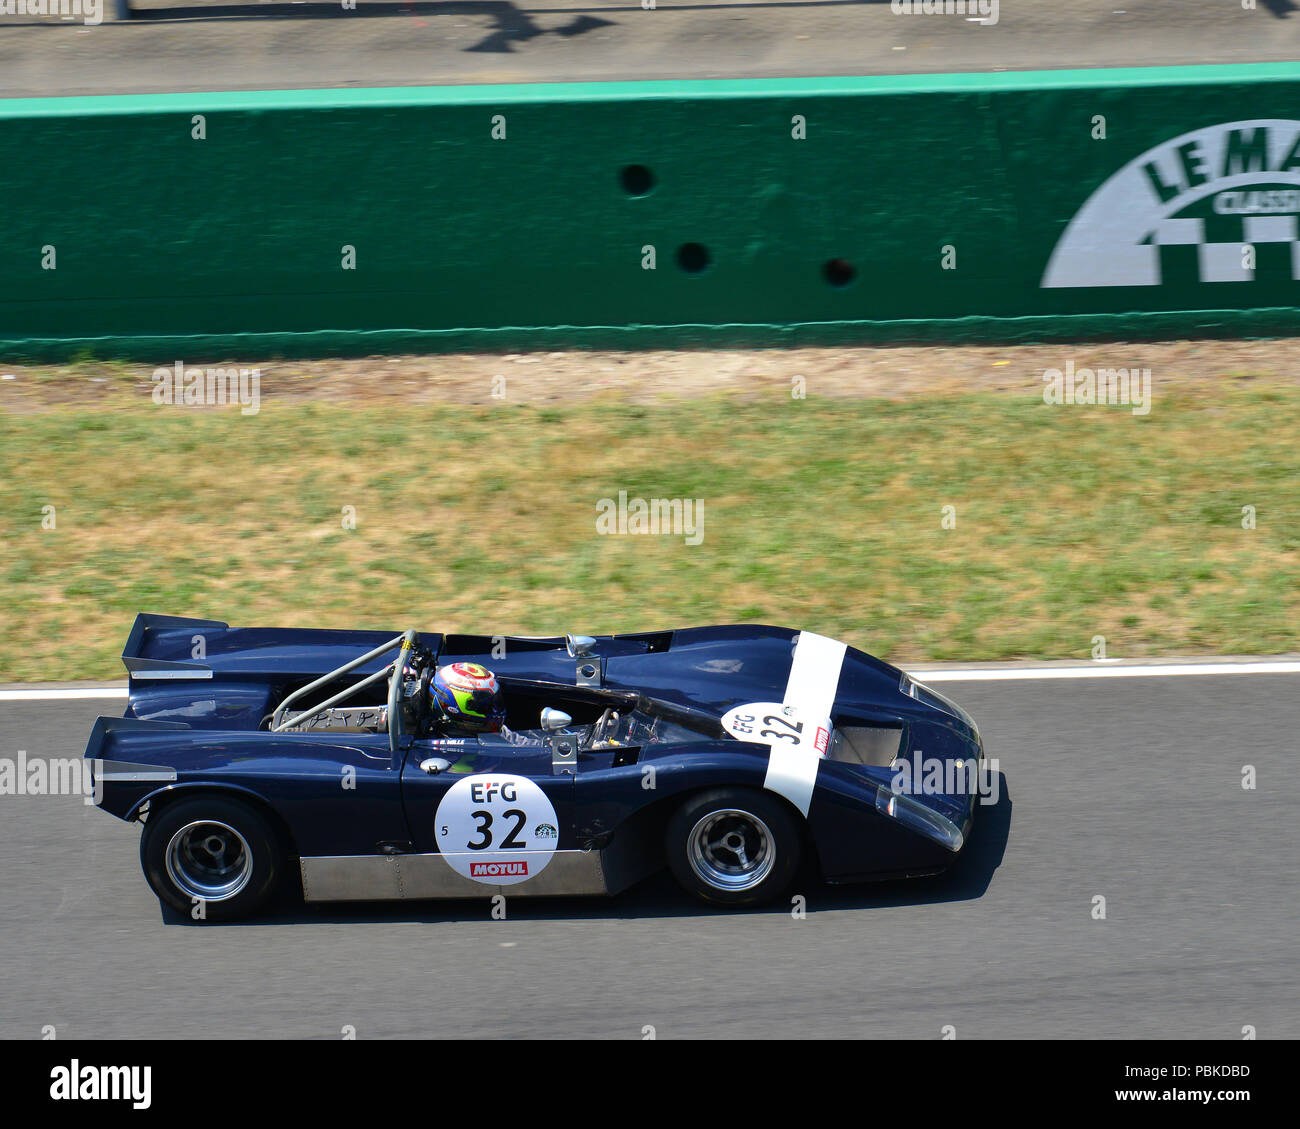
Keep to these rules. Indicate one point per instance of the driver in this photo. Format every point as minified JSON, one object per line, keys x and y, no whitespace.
{"x":467,"y":698}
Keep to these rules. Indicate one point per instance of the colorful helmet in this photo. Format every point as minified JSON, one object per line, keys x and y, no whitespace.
{"x":469,"y":696}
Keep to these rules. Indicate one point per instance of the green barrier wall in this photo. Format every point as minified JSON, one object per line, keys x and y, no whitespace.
{"x":167,"y":244}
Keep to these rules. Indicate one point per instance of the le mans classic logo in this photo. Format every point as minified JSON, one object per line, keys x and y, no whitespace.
{"x":1187,"y":209}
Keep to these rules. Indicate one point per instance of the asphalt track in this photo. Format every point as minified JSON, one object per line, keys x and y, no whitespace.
{"x":222,"y":45}
{"x":1128,"y":788}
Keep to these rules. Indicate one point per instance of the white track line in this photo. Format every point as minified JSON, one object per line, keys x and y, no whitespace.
{"x":983,"y":674}
{"x":1154,"y":670}
{"x":86,"y":694}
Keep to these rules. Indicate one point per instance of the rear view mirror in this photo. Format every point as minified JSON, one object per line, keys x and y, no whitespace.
{"x":579,"y":645}
{"x":555,"y":719}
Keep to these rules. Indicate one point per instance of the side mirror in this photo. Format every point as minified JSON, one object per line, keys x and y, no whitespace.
{"x":579,"y":645}
{"x":435,"y":765}
{"x":591,"y":667}
{"x":553,"y":720}
{"x":564,"y":746}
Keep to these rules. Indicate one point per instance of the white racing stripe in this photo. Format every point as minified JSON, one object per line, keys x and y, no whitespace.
{"x":814,"y":674}
{"x":810,"y":689}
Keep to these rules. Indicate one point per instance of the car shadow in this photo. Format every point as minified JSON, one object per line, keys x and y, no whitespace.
{"x":660,"y":897}
{"x":509,"y":13}
{"x":513,"y":25}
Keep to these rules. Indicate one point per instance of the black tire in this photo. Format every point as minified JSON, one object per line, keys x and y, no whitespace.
{"x":703,"y":836}
{"x":232,"y":865}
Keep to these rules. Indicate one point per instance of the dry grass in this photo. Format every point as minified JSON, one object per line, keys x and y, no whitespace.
{"x":821,"y":513}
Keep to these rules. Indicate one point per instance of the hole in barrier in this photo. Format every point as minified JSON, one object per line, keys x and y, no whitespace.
{"x":839,"y":272}
{"x":692,"y":257}
{"x":637,"y":180}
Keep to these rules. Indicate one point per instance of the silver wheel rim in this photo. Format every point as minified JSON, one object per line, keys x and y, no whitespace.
{"x":731,"y":850}
{"x":209,"y":860}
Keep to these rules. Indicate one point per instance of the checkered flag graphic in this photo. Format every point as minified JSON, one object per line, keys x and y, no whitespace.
{"x":1188,"y":250}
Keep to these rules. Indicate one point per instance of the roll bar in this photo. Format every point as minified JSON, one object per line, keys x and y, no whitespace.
{"x":395,"y":691}
{"x":393,"y":671}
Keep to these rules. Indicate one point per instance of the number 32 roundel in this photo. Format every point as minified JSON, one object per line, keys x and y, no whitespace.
{"x":497,"y":829}
{"x":771,"y":723}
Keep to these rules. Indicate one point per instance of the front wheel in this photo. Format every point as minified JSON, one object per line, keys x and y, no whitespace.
{"x":734,"y":847}
{"x":212,"y":858}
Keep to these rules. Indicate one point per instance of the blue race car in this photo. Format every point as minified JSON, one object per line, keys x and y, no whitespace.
{"x":733,"y":755}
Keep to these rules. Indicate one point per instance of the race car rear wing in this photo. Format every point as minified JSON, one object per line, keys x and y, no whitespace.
{"x":135,"y":655}
{"x":104,"y":728}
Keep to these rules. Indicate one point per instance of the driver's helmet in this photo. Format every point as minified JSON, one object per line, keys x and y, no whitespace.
{"x":469,"y":696}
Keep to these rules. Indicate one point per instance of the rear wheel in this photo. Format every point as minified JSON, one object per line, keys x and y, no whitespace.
{"x":734,"y":847}
{"x":213,"y":852}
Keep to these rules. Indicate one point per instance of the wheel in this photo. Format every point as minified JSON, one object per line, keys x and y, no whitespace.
{"x":734,"y":847}
{"x":211,"y":850}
